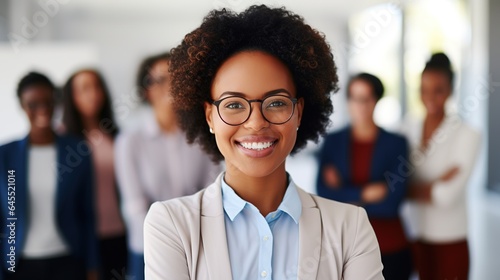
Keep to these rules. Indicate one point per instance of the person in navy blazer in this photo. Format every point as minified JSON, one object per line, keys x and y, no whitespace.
{"x":365,"y":165}
{"x":73,"y":209}
{"x":388,"y":147}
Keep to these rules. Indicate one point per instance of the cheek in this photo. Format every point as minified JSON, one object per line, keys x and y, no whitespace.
{"x":29,"y":114}
{"x":154,"y":96}
{"x":100,"y":98}
{"x":81,"y":102}
{"x":220,"y":128}
{"x":442,"y":98}
{"x":426,"y":97}
{"x":290,"y":137}
{"x":224,"y":137}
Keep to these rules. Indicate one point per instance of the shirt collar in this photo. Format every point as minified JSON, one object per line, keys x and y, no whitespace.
{"x":291,"y":204}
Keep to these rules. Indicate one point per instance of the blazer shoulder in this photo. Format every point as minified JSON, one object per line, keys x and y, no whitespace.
{"x":10,"y":151}
{"x":394,"y":137}
{"x":181,"y":215}
{"x":181,"y":206}
{"x":9,"y":146}
{"x":72,"y":140}
{"x":335,"y":209}
{"x":339,"y":133}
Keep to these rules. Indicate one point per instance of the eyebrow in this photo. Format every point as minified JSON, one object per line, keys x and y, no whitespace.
{"x":241,"y":94}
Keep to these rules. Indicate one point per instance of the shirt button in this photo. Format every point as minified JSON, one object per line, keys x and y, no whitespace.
{"x":263,"y":274}
{"x":265,"y":238}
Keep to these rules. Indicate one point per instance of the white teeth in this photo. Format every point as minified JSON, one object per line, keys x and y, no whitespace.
{"x":257,"y":145}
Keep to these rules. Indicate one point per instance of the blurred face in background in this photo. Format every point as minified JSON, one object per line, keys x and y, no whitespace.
{"x":435,"y":88}
{"x":88,"y":94}
{"x":37,"y":102}
{"x":159,"y":95}
{"x":361,"y":102}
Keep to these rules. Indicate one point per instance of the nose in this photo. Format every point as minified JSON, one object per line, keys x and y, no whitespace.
{"x":256,"y":121}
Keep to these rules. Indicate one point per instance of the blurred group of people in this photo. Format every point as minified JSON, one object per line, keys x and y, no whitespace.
{"x":82,"y":189}
{"x":427,"y":165}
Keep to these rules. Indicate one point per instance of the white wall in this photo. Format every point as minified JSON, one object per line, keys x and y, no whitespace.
{"x":53,"y":59}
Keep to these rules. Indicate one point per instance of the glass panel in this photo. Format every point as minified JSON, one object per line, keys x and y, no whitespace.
{"x":375,"y":47}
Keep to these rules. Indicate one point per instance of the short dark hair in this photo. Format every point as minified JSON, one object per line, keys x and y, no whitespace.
{"x":33,"y":79}
{"x":276,"y":31}
{"x":372,"y":80}
{"x":441,"y":63}
{"x":72,"y":119}
{"x":143,"y":77}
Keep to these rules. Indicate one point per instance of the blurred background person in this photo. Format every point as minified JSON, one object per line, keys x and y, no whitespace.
{"x":354,"y":167}
{"x":444,"y":152}
{"x":155,"y":162}
{"x":54,"y":231}
{"x":87,"y":113}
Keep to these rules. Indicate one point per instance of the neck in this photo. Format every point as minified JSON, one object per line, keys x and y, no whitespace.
{"x":168,"y":128}
{"x":435,"y":118}
{"x":167,"y":125}
{"x":41,"y":136}
{"x":265,"y":193}
{"x":365,"y":131}
{"x":90,"y":124}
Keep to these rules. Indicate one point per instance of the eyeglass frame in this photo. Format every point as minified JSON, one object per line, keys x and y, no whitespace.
{"x":294,"y":100}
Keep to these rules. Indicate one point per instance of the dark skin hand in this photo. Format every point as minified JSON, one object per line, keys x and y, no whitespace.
{"x":372,"y":193}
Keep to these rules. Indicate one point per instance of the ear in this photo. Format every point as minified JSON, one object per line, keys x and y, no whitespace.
{"x":300,"y":108}
{"x":208,"y":113}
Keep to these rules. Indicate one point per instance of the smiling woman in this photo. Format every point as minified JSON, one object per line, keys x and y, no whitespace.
{"x":242,"y":85}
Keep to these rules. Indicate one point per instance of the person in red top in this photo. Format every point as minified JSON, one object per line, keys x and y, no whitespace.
{"x":362,"y":164}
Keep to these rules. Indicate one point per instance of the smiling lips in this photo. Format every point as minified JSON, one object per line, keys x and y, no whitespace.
{"x":256,"y":145}
{"x":257,"y":148}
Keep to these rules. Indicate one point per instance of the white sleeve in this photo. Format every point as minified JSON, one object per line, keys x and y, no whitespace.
{"x":364,"y":261}
{"x":134,"y":202}
{"x":446,"y":193}
{"x":164,"y":254}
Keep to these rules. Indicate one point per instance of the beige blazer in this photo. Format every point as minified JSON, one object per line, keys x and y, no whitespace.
{"x":185,"y":238}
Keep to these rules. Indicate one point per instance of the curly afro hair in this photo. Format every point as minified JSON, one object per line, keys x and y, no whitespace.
{"x":275,"y":31}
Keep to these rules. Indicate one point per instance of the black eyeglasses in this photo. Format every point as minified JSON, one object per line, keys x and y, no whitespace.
{"x":235,"y":110}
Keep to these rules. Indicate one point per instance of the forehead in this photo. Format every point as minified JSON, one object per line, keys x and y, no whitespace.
{"x":159,"y":67}
{"x":84,"y":77}
{"x":37,"y":92}
{"x":434,"y":76}
{"x":359,"y":86}
{"x":252,"y":73}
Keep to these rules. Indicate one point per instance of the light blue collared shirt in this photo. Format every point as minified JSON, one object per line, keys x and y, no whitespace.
{"x":262,"y":248}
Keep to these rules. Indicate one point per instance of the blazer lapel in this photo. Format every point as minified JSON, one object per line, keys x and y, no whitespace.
{"x":213,"y":233}
{"x":310,"y":241}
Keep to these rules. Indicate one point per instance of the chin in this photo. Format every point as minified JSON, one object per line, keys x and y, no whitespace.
{"x":254,"y":169}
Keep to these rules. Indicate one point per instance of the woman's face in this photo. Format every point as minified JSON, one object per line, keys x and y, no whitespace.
{"x":435,"y":89}
{"x":158,"y":92}
{"x":38,"y":103}
{"x":256,"y":147}
{"x":361,"y":102}
{"x":88,"y":94}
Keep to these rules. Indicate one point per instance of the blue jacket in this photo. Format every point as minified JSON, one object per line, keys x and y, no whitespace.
{"x":388,"y":164}
{"x":74,"y":199}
